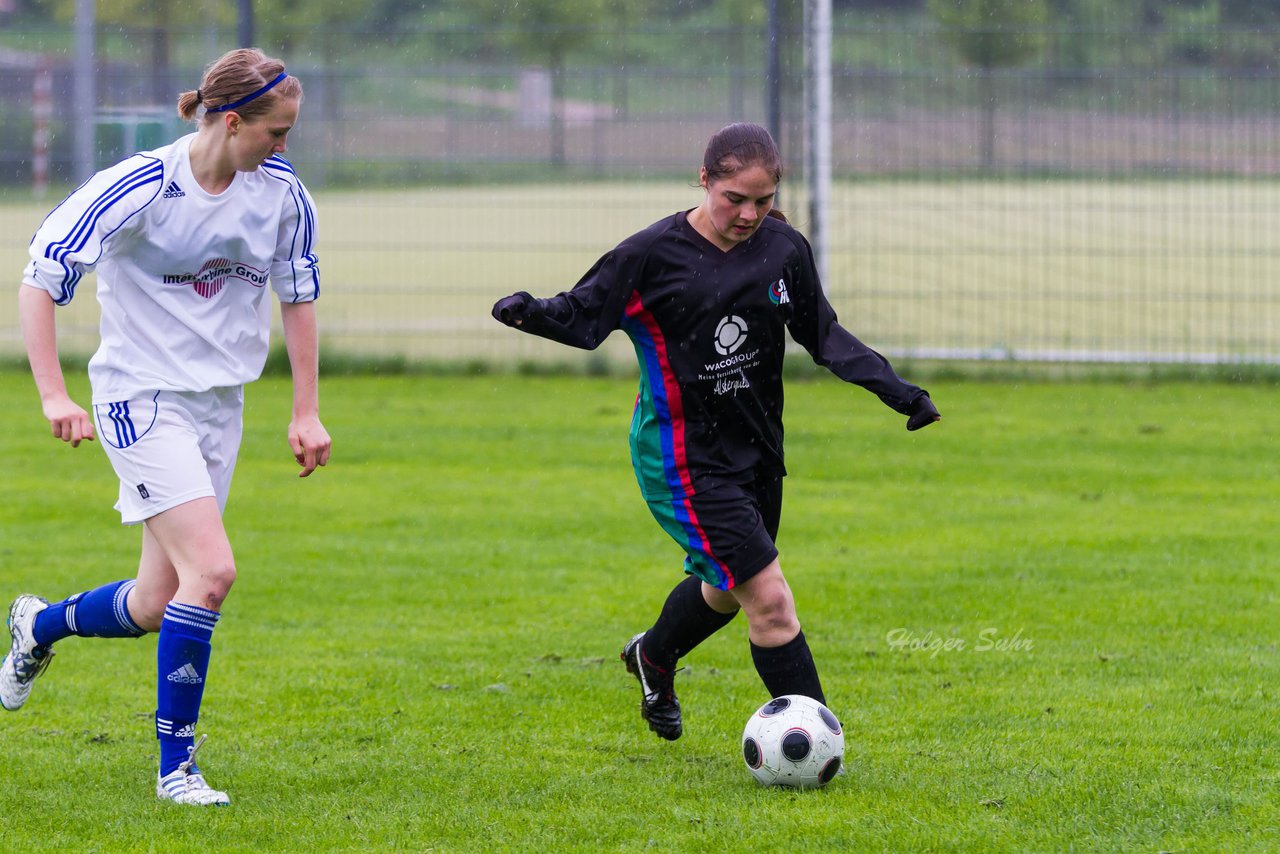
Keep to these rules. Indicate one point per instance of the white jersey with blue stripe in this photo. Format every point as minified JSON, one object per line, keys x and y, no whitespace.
{"x":182,"y":274}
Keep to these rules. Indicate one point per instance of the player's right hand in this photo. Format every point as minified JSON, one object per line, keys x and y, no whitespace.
{"x":513,"y":310}
{"x":923,"y":413}
{"x":70,"y":423}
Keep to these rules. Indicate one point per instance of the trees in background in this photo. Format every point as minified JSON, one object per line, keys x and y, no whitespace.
{"x":988,"y":35}
{"x":545,"y":32}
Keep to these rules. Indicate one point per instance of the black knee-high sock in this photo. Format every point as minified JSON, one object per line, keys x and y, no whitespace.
{"x":788,"y":669}
{"x":686,"y":621}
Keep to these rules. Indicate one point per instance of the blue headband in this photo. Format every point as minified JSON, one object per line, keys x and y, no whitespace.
{"x":247,"y":98}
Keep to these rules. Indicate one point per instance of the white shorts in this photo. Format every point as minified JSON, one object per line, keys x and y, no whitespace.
{"x":171,"y":447}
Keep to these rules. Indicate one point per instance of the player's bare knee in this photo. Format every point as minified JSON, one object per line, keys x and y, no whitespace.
{"x":774,"y":611}
{"x":776,"y":624}
{"x":216,"y":582}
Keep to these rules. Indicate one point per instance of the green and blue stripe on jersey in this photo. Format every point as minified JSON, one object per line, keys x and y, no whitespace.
{"x":658,"y":451}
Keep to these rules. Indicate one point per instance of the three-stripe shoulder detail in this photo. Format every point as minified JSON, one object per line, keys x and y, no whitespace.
{"x":151,"y":172}
{"x":134,"y":183}
{"x":277,"y":168}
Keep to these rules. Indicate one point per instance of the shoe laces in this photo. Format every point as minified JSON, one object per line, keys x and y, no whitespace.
{"x":185,"y":766}
{"x":669,"y":687}
{"x":30,"y":666}
{"x":665,"y":683}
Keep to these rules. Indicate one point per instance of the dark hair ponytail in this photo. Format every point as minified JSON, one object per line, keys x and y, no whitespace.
{"x":737,"y":146}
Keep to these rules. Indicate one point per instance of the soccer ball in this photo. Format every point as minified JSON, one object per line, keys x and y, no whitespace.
{"x":793,"y":741}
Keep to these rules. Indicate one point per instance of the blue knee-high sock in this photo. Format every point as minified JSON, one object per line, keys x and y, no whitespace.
{"x":182,"y":659}
{"x":99,"y":613}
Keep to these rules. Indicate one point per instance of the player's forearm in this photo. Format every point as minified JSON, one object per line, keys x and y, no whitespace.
{"x":301,"y":340}
{"x":39,"y":334}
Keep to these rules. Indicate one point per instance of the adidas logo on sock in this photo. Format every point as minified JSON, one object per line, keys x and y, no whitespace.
{"x":185,"y":675}
{"x":173,"y":191}
{"x":188,"y":731}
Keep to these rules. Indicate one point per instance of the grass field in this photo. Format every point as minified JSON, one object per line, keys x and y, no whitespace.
{"x":1037,"y":269}
{"x":420,"y":652}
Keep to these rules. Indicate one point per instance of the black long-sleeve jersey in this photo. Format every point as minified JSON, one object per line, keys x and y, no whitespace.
{"x":708,"y":329}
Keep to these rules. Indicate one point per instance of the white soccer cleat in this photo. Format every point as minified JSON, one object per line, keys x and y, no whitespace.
{"x":185,"y":786}
{"x":26,"y":659}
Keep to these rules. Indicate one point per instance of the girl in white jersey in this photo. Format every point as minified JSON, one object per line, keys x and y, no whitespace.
{"x":186,"y":240}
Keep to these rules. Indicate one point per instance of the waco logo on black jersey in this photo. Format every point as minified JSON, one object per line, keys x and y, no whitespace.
{"x":730,"y":333}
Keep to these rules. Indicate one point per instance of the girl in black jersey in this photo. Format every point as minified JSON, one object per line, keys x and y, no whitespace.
{"x":707,"y":297}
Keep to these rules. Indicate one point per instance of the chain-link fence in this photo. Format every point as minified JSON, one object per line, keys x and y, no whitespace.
{"x":1112,"y":196}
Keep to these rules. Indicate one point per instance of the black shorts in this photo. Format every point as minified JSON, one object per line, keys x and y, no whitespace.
{"x":727,"y":530}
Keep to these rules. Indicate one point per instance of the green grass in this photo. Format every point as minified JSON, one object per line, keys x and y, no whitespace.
{"x":420,"y":651}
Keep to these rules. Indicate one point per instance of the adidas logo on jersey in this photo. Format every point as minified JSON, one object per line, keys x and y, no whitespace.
{"x":185,"y":675}
{"x":173,"y":191}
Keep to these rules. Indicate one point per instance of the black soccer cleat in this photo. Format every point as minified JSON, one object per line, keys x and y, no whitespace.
{"x":658,"y":703}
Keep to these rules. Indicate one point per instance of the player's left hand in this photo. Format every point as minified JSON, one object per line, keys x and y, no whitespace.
{"x":310,"y":443}
{"x":923,"y":414}
{"x":515,"y":309}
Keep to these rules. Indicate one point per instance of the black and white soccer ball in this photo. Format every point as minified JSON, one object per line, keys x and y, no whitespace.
{"x":793,"y":741}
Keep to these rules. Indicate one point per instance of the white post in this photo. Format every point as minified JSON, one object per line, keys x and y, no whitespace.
{"x":41,"y":113}
{"x":84,"y":98}
{"x":817,"y":78}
